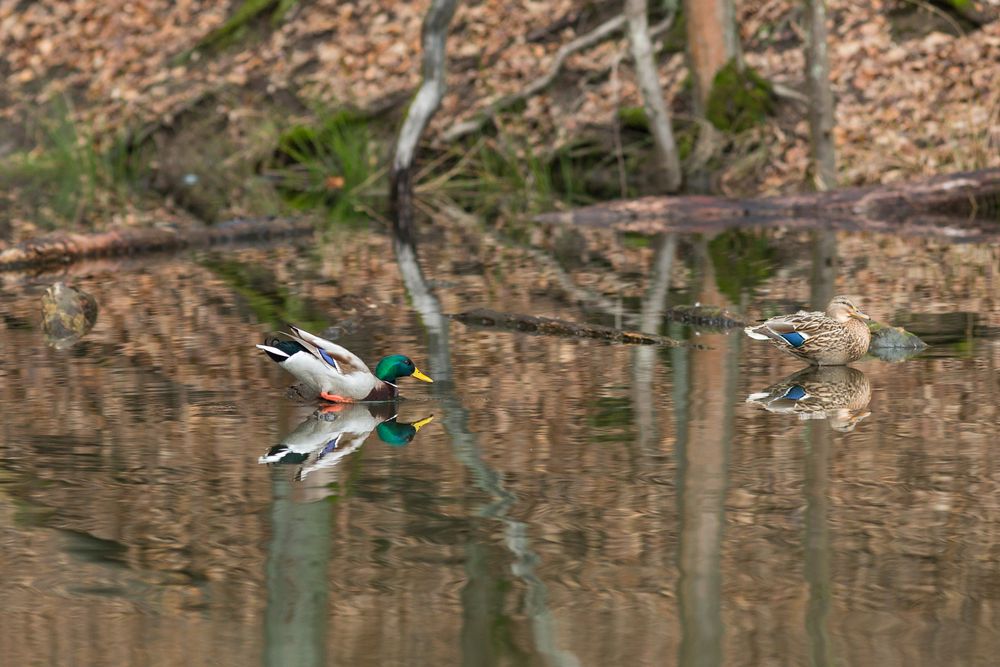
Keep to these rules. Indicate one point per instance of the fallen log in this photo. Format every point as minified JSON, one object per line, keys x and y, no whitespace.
{"x":64,"y":248}
{"x":484,"y":317}
{"x":954,"y":206}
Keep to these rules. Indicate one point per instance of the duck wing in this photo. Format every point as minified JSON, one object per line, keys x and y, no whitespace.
{"x":794,"y":330}
{"x":336,"y":356}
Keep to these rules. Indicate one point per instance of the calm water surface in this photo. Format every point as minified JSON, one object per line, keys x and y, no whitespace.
{"x":570,"y":503}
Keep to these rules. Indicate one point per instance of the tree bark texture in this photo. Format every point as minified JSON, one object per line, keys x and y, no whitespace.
{"x":820,"y":97}
{"x":712,"y":42}
{"x":652,"y":93}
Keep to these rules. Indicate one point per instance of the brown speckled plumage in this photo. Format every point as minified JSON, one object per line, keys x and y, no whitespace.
{"x":836,"y":337}
{"x":838,"y":393}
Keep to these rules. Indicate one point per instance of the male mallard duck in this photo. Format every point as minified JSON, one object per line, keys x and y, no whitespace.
{"x":834,"y":338}
{"x":334,"y":432}
{"x":837,"y":393}
{"x":336,"y":373}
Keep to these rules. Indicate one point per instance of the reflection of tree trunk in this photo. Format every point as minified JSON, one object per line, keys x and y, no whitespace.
{"x":426,"y":303}
{"x":478,"y":609}
{"x":818,"y":435}
{"x":652,"y":94}
{"x":708,"y":291}
{"x":820,"y":96}
{"x":481,"y":605}
{"x":644,"y":358}
{"x":824,"y":268}
{"x":296,"y":618}
{"x":703,"y":457}
{"x":817,"y":543}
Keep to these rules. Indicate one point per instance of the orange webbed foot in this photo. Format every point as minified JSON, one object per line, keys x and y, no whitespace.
{"x":334,"y":398}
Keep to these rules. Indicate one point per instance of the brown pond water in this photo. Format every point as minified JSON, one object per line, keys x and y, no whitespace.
{"x":571,"y":503}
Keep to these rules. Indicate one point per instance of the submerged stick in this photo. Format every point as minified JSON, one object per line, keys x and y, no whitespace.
{"x":711,"y":317}
{"x":484,"y":317}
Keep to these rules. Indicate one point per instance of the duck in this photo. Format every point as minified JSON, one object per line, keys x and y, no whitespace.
{"x":839,"y":394}
{"x":834,"y":338}
{"x":335,"y":373}
{"x":334,"y":432}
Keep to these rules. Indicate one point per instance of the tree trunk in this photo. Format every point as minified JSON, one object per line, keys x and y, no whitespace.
{"x":425,"y":103}
{"x":712,"y":42}
{"x":820,"y":97}
{"x":652,"y":94}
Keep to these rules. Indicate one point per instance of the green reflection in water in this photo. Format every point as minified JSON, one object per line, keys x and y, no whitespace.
{"x":817,"y":543}
{"x":297,"y":614}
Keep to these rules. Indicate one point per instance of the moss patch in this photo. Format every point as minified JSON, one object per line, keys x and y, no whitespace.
{"x":739,"y":100}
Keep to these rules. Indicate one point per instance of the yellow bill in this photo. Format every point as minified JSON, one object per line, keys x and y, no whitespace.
{"x":420,"y":376}
{"x":423,"y":422}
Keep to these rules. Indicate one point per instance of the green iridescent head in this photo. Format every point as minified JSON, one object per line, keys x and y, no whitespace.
{"x":396,"y":434}
{"x":396,"y":366}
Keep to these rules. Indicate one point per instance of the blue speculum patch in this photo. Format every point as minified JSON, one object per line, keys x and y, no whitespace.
{"x":328,"y":359}
{"x":795,"y":393}
{"x":794,"y":338}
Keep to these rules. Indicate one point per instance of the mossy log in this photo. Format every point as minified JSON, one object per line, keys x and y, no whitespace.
{"x":484,"y":317}
{"x":64,"y":248}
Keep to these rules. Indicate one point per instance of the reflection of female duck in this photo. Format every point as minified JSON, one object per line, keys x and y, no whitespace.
{"x":837,"y":393}
{"x":329,"y":435}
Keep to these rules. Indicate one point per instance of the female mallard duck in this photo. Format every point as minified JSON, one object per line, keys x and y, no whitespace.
{"x":336,"y":373}
{"x":834,"y":338}
{"x":839,"y":394}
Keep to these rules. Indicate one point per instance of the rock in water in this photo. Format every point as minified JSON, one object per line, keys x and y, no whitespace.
{"x":893,"y":343}
{"x":68,"y":314}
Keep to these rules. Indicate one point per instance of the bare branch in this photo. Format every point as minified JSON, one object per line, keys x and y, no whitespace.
{"x":652,"y":94}
{"x":595,"y":36}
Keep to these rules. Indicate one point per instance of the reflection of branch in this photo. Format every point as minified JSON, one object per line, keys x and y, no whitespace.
{"x":588,"y":299}
{"x":466,"y":448}
{"x":644,"y":358}
{"x":427,"y":304}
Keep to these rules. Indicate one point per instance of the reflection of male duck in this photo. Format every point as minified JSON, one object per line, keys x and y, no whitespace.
{"x":329,"y":435}
{"x":837,"y":393}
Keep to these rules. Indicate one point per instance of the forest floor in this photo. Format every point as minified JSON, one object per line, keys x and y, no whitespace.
{"x":91,"y":84}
